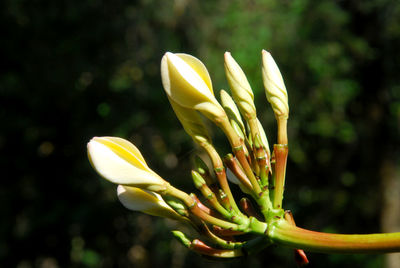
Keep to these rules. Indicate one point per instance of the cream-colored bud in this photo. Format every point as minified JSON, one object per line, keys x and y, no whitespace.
{"x":263,"y":137}
{"x":149,"y":202}
{"x":231,"y":109}
{"x":120,"y":162}
{"x":241,"y":90}
{"x":274,"y":86}
{"x":186,"y":82}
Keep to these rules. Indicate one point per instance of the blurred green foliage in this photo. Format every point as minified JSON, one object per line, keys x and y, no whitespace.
{"x":71,"y":70}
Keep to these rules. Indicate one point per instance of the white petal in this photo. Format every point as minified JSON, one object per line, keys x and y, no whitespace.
{"x":118,"y":170}
{"x":145,"y":201}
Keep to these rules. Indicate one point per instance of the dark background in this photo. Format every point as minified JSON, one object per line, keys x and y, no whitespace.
{"x":71,"y":70}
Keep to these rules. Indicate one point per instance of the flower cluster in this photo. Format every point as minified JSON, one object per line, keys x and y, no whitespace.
{"x":257,"y":169}
{"x":260,"y":174}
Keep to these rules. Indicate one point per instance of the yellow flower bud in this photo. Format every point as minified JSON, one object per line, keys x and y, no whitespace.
{"x":274,"y":86}
{"x":149,"y":202}
{"x":120,"y":162}
{"x":187,"y":82}
{"x":241,"y":90}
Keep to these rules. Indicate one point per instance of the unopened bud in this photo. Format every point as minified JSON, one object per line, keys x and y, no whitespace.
{"x":274,"y":86}
{"x":241,"y":90}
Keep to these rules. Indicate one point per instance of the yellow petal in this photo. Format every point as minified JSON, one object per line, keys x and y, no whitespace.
{"x":187,"y":83}
{"x":182,"y":83}
{"x":125,"y":149}
{"x":115,"y":164}
{"x":198,"y":67}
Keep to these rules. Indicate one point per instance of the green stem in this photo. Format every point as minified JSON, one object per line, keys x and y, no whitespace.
{"x":282,"y":130}
{"x":282,"y":232}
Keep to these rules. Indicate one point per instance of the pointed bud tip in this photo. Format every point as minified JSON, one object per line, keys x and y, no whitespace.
{"x":265,"y":52}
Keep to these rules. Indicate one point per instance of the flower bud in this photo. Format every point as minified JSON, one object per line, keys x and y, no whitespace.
{"x":181,"y":237}
{"x":241,"y":90}
{"x":232,"y":111}
{"x":148,"y":202}
{"x":274,"y":86}
{"x":187,"y":82}
{"x":263,"y":137}
{"x":197,"y":179}
{"x":120,"y":162}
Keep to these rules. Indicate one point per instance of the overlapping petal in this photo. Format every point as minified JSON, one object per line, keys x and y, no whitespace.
{"x":241,"y":90}
{"x":120,"y":162}
{"x":187,"y":82}
{"x":275,"y":89}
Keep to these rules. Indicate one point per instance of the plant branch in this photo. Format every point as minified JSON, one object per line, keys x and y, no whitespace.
{"x":283,"y":233}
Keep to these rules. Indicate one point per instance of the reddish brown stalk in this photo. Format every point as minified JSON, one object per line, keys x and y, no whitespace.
{"x":239,"y":153}
{"x":201,"y":248}
{"x":233,"y":165}
{"x":223,"y":182}
{"x":249,"y":209}
{"x":202,"y":206}
{"x":225,"y":232}
{"x":281,"y":153}
{"x":263,"y":163}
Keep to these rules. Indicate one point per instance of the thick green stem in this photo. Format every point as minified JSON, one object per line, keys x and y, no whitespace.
{"x":283,"y":233}
{"x":282,"y":130}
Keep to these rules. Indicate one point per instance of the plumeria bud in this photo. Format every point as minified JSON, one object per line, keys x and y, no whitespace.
{"x":197,"y":179}
{"x":263,"y":137}
{"x":233,"y":113}
{"x":146,"y":201}
{"x":178,"y":205}
{"x":201,"y":167}
{"x":181,"y":237}
{"x":187,"y":82}
{"x":191,"y":122}
{"x":274,"y":86}
{"x":241,"y":90}
{"x":120,"y":162}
